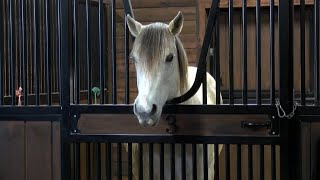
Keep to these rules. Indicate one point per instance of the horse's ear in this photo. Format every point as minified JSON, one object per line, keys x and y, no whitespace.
{"x":134,"y":26}
{"x":175,"y":26}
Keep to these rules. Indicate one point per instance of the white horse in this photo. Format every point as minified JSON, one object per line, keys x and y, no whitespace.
{"x":162,"y":74}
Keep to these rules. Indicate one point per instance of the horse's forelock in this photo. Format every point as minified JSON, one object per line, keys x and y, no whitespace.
{"x":152,"y":42}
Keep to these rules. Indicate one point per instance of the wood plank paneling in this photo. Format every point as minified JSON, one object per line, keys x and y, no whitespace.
{"x":12,"y":153}
{"x":56,"y":158}
{"x":38,"y":150}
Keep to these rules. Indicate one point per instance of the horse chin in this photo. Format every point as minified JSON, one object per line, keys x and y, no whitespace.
{"x":149,"y":121}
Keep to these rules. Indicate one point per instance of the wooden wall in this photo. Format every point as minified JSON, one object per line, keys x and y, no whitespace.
{"x":29,"y":149}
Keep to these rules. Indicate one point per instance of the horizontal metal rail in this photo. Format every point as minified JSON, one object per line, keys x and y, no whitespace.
{"x":160,"y":138}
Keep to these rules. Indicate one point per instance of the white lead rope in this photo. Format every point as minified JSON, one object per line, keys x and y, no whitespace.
{"x":284,"y":115}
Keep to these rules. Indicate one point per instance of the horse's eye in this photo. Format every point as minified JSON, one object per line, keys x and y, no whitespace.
{"x":169,"y":58}
{"x":132,"y":59}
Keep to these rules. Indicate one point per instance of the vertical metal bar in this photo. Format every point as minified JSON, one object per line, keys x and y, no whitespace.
{"x":230,"y":45}
{"x":63,"y":44}
{"x":151,"y":161}
{"x":88,"y":47}
{"x":36,"y":51}
{"x":161,"y":161}
{"x":88,"y":161}
{"x":108,"y":159}
{"x":302,"y":52}
{"x":239,"y":164}
{"x":227,"y":156}
{"x":126,"y":62}
{"x":288,"y":158}
{"x":76,"y":67}
{"x":140,"y":156}
{"x":172,"y":160}
{"x":47,"y":52}
{"x":194,"y":161}
{"x":119,"y":161}
{"x":183,"y":162}
{"x":102,"y":65}
{"x":217,"y":51}
{"x":1,"y":51}
{"x":316,"y":51}
{"x":11,"y":30}
{"x":23,"y":54}
{"x":261,"y":162}
{"x":204,"y":88}
{"x":272,"y":59}
{"x":273,"y":162}
{"x":216,"y":162}
{"x":250,"y":167}
{"x":129,"y":161}
{"x":205,"y":161}
{"x":244,"y":54}
{"x":258,"y":52}
{"x":59,"y":49}
{"x":113,"y":54}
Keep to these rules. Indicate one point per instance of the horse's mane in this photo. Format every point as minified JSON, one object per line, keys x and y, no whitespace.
{"x":154,"y":40}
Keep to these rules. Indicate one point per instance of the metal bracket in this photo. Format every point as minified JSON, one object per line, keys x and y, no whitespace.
{"x":74,"y":123}
{"x":172,"y":124}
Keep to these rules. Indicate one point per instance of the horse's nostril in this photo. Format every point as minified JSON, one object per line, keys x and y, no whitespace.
{"x":154,"y":109}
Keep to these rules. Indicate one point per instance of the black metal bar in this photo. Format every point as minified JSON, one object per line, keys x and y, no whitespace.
{"x":128,"y":8}
{"x":113,"y":54}
{"x":261,"y":147}
{"x":204,"y":52}
{"x":183,"y":161}
{"x":227,"y":158}
{"x":119,"y":161}
{"x":302,"y":52}
{"x":316,"y":52}
{"x":244,"y":54}
{"x":11,"y":32}
{"x":272,"y":57}
{"x":88,"y":161}
{"x":172,"y":161}
{"x":2,"y":21}
{"x":102,"y":65}
{"x":36,"y":51}
{"x":109,"y":160}
{"x":23,"y":54}
{"x":217,"y":51}
{"x":129,"y":161}
{"x":205,"y":161}
{"x":133,"y":138}
{"x":194,"y":161}
{"x":88,"y":48}
{"x":63,"y":56}
{"x":258,"y":51}
{"x":204,"y":88}
{"x":216,"y":162}
{"x":230,"y":45}
{"x":183,"y":109}
{"x":98,"y":161}
{"x":239,"y":164}
{"x":76,"y":79}
{"x":151,"y":161}
{"x":288,"y":157}
{"x":161,"y":161}
{"x":250,"y":167}
{"x":140,"y":157}
{"x":48,"y":52}
{"x":273,"y":163}
{"x":126,"y":62}
{"x":59,"y":45}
